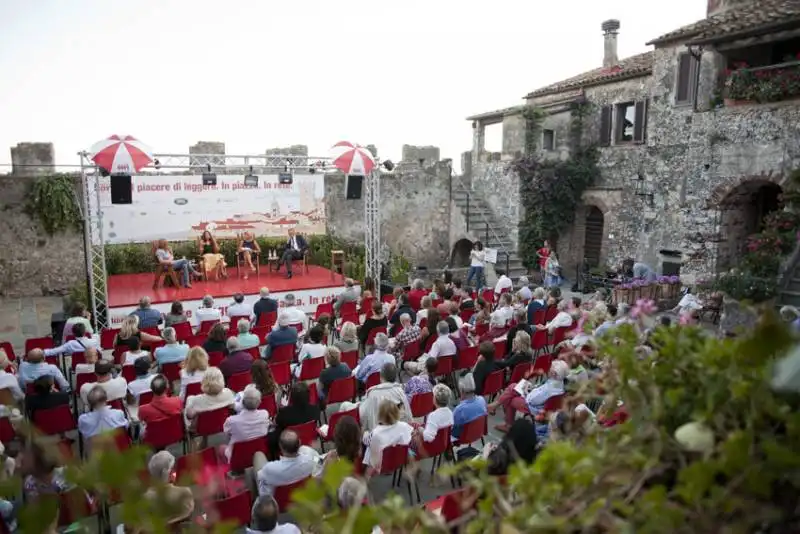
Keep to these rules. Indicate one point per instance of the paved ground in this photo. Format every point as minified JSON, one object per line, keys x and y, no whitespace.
{"x":22,"y":318}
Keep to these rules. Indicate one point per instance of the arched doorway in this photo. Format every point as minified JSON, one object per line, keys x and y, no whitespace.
{"x":460,"y":254}
{"x":741,"y":214}
{"x":593,"y":237}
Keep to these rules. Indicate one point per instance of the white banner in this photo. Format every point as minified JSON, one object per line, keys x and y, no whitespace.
{"x":181,"y":207}
{"x":307,"y":300}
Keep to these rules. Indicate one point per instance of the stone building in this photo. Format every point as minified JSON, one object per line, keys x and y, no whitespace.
{"x":685,"y":176}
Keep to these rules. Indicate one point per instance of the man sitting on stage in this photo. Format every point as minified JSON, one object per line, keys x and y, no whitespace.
{"x":294,"y":249}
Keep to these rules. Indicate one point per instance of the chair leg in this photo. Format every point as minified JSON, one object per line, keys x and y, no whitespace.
{"x":410,"y":496}
{"x":394,"y":478}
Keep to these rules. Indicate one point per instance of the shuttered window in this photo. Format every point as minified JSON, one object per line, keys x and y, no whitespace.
{"x":605,"y":126}
{"x":686,"y":78}
{"x":640,"y":122}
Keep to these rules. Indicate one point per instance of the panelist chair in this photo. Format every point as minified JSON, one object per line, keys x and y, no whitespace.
{"x":162,"y":271}
{"x":256,"y":257}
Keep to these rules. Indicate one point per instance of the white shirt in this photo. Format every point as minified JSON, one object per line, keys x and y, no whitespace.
{"x":443,"y":346}
{"x":422,"y":314}
{"x":82,"y":368}
{"x":10,"y":382}
{"x":476,"y":258}
{"x":190,"y":378}
{"x":503,"y":282}
{"x":140,"y":385}
{"x":561,"y":319}
{"x":206,"y":314}
{"x":131,"y":357}
{"x":240,"y":310}
{"x":295,"y":315}
{"x":73,"y":345}
{"x":437,"y":419}
{"x":525,"y":293}
{"x":287,"y":470}
{"x":116,"y":388}
{"x":247,"y":425}
{"x":506,"y":313}
{"x":384,"y":436}
{"x":307,"y":351}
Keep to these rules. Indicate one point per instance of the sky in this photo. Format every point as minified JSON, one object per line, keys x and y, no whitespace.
{"x":258,"y":73}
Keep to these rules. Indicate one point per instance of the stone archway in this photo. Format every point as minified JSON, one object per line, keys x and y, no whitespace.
{"x":741,"y":213}
{"x":459,"y":258}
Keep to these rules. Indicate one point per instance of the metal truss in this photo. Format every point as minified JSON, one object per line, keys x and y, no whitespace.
{"x":225,"y":164}
{"x":372,"y":224}
{"x":94,"y":242}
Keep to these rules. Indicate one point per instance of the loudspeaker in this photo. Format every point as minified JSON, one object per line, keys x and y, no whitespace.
{"x":121,"y":191}
{"x":354,"y":184}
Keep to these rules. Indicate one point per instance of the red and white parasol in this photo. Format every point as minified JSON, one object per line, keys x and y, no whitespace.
{"x":121,"y":154}
{"x":352,"y":159}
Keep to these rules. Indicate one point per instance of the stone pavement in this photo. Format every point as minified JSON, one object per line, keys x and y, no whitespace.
{"x":26,"y":317}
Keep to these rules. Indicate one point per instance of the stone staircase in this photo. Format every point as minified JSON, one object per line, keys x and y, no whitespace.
{"x":482,"y":223}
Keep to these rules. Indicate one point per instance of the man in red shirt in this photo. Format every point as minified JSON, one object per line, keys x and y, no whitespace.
{"x":162,"y":406}
{"x":416,"y":294}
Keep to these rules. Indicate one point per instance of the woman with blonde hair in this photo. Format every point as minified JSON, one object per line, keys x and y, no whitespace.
{"x":390,"y":431}
{"x":215,"y":395}
{"x":166,"y":258}
{"x":348,"y":338}
{"x":130,"y":330}
{"x":521,"y":351}
{"x":213,"y":261}
{"x":194,"y":368}
{"x":248,"y":247}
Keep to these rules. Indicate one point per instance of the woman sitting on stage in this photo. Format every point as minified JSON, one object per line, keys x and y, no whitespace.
{"x":213,"y":261}
{"x":248,"y":246}
{"x":184,"y":266}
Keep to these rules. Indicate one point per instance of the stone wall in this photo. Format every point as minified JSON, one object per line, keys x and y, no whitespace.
{"x":34,"y":263}
{"x":499,"y":188}
{"x":415,"y":210}
{"x":32,"y":159}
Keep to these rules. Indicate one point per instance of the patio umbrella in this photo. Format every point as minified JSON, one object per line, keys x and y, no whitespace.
{"x":121,"y":154}
{"x":352,"y":159}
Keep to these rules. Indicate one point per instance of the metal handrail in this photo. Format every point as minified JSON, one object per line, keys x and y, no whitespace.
{"x":488,"y":226}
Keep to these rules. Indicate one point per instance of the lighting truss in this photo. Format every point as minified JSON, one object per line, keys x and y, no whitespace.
{"x":225,"y":164}
{"x":372,"y":224}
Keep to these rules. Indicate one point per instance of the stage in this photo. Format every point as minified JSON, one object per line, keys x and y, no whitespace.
{"x":316,"y":286}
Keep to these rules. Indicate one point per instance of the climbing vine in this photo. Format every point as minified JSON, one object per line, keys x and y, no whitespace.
{"x":52,"y":201}
{"x":551,"y":189}
{"x":533,"y":127}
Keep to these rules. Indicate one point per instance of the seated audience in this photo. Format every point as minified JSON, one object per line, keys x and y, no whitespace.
{"x":91,"y":356}
{"x":313,"y":348}
{"x":484,"y":313}
{"x":250,"y":423}
{"x":348,"y":295}
{"x":162,"y":406}
{"x":390,"y":430}
{"x":520,"y":352}
{"x":43,"y":477}
{"x":263,"y":381}
{"x":237,"y":361}
{"x":101,"y":418}
{"x":142,"y":381}
{"x":294,"y":315}
{"x":35,"y":366}
{"x":172,"y":502}
{"x":346,"y":442}
{"x":176,"y":314}
{"x":403,"y":306}
{"x":240,"y":308}
{"x":264,"y":305}
{"x":148,"y":317}
{"x":497,"y":328}
{"x":518,"y":445}
{"x":388,"y":390}
{"x":416,"y":294}
{"x":537,"y":303}
{"x":116,"y":388}
{"x":130,"y":330}
{"x":295,"y":464}
{"x":282,"y":334}
{"x":521,"y":320}
{"x":471,"y":406}
{"x":264,"y":518}
{"x":505,"y":308}
{"x":79,"y":344}
{"x":524,"y":291}
{"x":426,"y":304}
{"x":409,"y":334}
{"x":485,"y":365}
{"x":429,"y":328}
{"x":348,"y":338}
{"x":247,"y":339}
{"x":172,"y":352}
{"x":78,"y":315}
{"x":7,"y":380}
{"x":376,"y":320}
{"x":215,"y":395}
{"x":335,"y":370}
{"x":374,"y":362}
{"x":504,"y":283}
{"x":423,"y":382}
{"x":44,"y":396}
{"x":441,"y":417}
{"x":299,"y":411}
{"x":443,"y":346}
{"x":458,"y":335}
{"x":135,"y":352}
{"x":207,"y":311}
{"x":561,"y":320}
{"x":194,"y":367}
{"x":216,"y":340}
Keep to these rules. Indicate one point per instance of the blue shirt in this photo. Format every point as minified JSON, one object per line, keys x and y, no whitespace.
{"x":533,"y":307}
{"x":604,"y":328}
{"x":28,"y":372}
{"x":373,"y":363}
{"x":148,"y":317}
{"x":93,"y":423}
{"x":538,"y":396}
{"x":284,"y":335}
{"x":171,"y":353}
{"x":468,"y":410}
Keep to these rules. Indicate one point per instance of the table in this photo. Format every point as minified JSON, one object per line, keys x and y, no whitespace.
{"x":337,"y":260}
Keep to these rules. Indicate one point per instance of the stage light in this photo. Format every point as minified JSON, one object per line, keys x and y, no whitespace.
{"x":251,"y":180}
{"x":156,"y":164}
{"x":285,"y":178}
{"x":388,"y":165}
{"x":209,"y":178}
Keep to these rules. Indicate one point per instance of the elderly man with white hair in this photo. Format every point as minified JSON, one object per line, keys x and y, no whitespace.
{"x":293,"y":314}
{"x":248,"y":424}
{"x":247,"y":340}
{"x":178,"y":500}
{"x":524,"y":291}
{"x":282,"y":334}
{"x":264,"y":305}
{"x":410,"y":334}
{"x":375,"y":361}
{"x":443,"y":346}
{"x":348,"y":295}
{"x":471,"y":407}
{"x":172,"y":352}
{"x":148,"y":317}
{"x":389,"y":389}
{"x":562,"y":319}
{"x":207,"y":311}
{"x":101,"y":418}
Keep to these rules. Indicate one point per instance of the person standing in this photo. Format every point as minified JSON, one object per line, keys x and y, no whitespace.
{"x":294,"y":249}
{"x":477,"y":262}
{"x":543,"y":254}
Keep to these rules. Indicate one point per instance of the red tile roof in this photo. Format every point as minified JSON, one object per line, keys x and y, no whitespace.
{"x":630,"y":67}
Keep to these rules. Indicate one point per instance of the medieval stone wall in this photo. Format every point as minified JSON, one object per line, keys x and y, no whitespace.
{"x":499,"y":187}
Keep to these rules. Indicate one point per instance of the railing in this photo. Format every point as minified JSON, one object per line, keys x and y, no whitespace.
{"x":487,"y":228}
{"x":769,"y":83}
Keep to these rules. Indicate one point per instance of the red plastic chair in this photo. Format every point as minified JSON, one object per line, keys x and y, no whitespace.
{"x":393,"y":460}
{"x":539,"y":341}
{"x":172,"y":371}
{"x":342,"y":390}
{"x":466,"y":314}
{"x":267,"y":319}
{"x":234,"y":510}
{"x":421,"y":404}
{"x":467,"y":357}
{"x":234,"y":322}
{"x":145,"y":397}
{"x":550,"y":314}
{"x":163,"y":433}
{"x":283,"y":494}
{"x":128,"y":373}
{"x":282,"y":353}
{"x":207,"y":325}
{"x":335,"y":418}
{"x":119,"y":353}
{"x":152,"y":330}
{"x":558,"y":335}
{"x":325,"y":308}
{"x":262,"y":332}
{"x":211,"y":422}
{"x":307,"y":432}
{"x":298,"y":327}
{"x":539,"y":316}
{"x":473,"y":431}
{"x":445,"y":366}
{"x":499,"y":349}
{"x":107,"y":336}
{"x":313,"y":394}
{"x":243,"y":451}
{"x":430,"y":341}
{"x":481,"y":328}
{"x":554,"y":403}
{"x":519,"y":372}
{"x":183,"y":331}
{"x":387,"y":298}
{"x":82,"y":379}
{"x":437,"y":449}
{"x":45,"y":342}
{"x":366,"y":306}
{"x":411,"y":352}
{"x":196,"y":340}
{"x":348,"y":309}
{"x":423,"y":323}
{"x":542,"y":363}
{"x":215,"y":358}
{"x":374,"y":332}
{"x":373,"y":380}
{"x":488,"y":295}
{"x":311,"y":368}
{"x":194,"y":388}
{"x":281,"y":372}
{"x":187,"y":467}
{"x":239,"y":381}
{"x":76,"y":358}
{"x":350,"y":358}
{"x":493,"y":383}
{"x":55,"y":421}
{"x":73,"y":506}
{"x":268,"y":403}
{"x":7,"y":432}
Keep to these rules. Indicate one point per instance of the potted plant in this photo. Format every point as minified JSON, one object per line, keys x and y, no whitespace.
{"x":622,"y":293}
{"x":740,"y":86}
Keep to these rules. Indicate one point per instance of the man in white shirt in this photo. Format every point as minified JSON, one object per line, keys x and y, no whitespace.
{"x":504,"y":308}
{"x":443,"y":346}
{"x":389,"y":389}
{"x":240,"y":308}
{"x":249,"y":424}
{"x":293,"y":466}
{"x":503,"y":282}
{"x":115,"y":388}
{"x":207,"y":311}
{"x":101,"y":418}
{"x":374,"y":362}
{"x":561,"y":320}
{"x":79,"y":344}
{"x":295,"y":315}
{"x":264,"y":518}
{"x":524,"y":292}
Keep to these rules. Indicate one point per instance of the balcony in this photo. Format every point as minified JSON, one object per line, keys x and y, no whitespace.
{"x":762,"y":84}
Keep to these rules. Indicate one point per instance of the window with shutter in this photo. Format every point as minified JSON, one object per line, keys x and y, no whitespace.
{"x":640,"y":122}
{"x":605,"y":126}
{"x":685,"y":79}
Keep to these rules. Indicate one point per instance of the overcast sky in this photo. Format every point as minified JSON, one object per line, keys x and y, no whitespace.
{"x":259,"y":73}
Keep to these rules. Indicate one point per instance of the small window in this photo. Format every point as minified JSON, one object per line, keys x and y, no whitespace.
{"x":626,"y":122}
{"x":686,"y":78}
{"x":548,"y":140}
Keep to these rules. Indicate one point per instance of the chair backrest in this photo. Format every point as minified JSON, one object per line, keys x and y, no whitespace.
{"x":325,"y":308}
{"x":183,"y":331}
{"x":298,"y":327}
{"x":554,"y":403}
{"x":444,"y":365}
{"x":7,"y":432}
{"x":467,"y":357}
{"x":172,"y":371}
{"x":268,"y":403}
{"x":422,"y":404}
{"x":411,"y":351}
{"x":282,"y":353}
{"x":430,"y":340}
{"x":543,"y":363}
{"x":311,"y":368}
{"x":73,"y":505}
{"x":38,"y":343}
{"x":235,"y":509}
{"x":205,"y":326}
{"x":211,"y":422}
{"x":6,"y":346}
{"x":188,"y":466}
{"x":440,"y":444}
{"x":374,"y":332}
{"x":164,"y":432}
{"x":238,"y":381}
{"x":233,"y":325}
{"x":86,"y":378}
{"x":474,"y":430}
{"x":307,"y":432}
{"x":488,"y":295}
{"x":76,"y":358}
{"x":242,"y":453}
{"x":499,"y":349}
{"x":539,"y":316}
{"x":455,"y":504}
{"x":348,"y":308}
{"x":373,"y":380}
{"x":283,"y":494}
{"x":494,"y":382}
{"x":366,"y":306}
{"x":107,"y":336}
{"x":145,"y":397}
{"x":281,"y":372}
{"x":338,"y":416}
{"x":550,"y":313}
{"x":128,"y":373}
{"x":194,"y":388}
{"x":119,"y":353}
{"x":423,"y":322}
{"x":466,"y":314}
{"x":152,"y":330}
{"x":267,"y":319}
{"x":342,"y":390}
{"x":350,"y":358}
{"x":481,"y":328}
{"x":539,"y":340}
{"x":558,"y":335}
{"x":262,"y":332}
{"x":519,"y":372}
{"x":393,"y":458}
{"x":56,"y":420}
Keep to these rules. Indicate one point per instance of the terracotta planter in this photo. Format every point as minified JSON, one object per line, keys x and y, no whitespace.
{"x":730,"y":102}
{"x":621,"y":295}
{"x":665,"y":291}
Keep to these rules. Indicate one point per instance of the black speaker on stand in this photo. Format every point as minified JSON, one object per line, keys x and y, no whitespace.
{"x":354,"y":185}
{"x":121,"y":189}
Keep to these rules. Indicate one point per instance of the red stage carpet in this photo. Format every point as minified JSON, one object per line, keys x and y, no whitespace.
{"x":317,"y":285}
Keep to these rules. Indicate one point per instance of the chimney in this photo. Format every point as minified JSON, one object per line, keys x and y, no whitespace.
{"x":610,"y":32}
